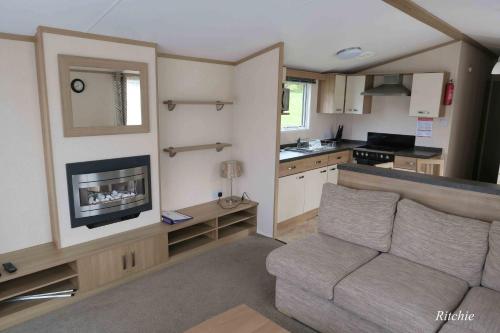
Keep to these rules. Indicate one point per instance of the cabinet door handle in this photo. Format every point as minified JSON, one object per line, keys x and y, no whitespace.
{"x":124,"y":262}
{"x":133,"y":259}
{"x":423,"y":112}
{"x":292,"y":167}
{"x":301,"y":177}
{"x":333,"y":169}
{"x":322,"y":171}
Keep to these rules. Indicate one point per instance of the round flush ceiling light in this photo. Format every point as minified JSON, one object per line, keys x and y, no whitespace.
{"x":366,"y":54}
{"x":349,"y":53}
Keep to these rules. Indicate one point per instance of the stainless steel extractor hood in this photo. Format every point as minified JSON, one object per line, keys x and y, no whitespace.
{"x":392,"y":86}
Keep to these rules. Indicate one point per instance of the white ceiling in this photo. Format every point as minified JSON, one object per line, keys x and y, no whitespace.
{"x":313,"y":30}
{"x":479,"y":19}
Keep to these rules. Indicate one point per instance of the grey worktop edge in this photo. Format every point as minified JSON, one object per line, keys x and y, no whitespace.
{"x":461,"y":184}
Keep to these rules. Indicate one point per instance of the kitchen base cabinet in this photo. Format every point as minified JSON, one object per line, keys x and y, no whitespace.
{"x":333,"y":174}
{"x":314,"y":180}
{"x":291,"y":196}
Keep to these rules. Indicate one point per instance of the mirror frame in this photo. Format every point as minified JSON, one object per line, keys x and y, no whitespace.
{"x":67,"y":61}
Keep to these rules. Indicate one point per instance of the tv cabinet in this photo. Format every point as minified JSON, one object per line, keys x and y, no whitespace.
{"x":101,"y":264}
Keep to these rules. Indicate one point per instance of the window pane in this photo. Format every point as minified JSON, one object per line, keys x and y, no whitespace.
{"x":295,"y":118}
{"x":134,"y":101}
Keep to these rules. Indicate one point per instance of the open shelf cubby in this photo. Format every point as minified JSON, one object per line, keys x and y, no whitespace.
{"x":235,"y":218}
{"x":189,"y":244}
{"x":235,"y":228}
{"x":35,"y":281}
{"x":190,"y":232}
{"x":211,"y":223}
{"x":63,"y":278}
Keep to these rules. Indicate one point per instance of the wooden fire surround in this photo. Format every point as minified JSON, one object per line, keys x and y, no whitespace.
{"x":100,"y":264}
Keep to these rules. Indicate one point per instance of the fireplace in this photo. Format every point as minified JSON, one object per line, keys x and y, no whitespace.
{"x":108,"y":191}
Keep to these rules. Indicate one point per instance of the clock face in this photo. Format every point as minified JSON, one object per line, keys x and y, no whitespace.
{"x":77,"y":85}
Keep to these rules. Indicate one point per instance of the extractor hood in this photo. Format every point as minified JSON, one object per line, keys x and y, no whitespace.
{"x":392,"y":86}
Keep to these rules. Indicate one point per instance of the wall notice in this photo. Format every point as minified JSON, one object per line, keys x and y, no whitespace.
{"x":424,"y":127}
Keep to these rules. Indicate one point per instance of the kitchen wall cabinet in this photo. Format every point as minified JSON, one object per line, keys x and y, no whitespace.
{"x":332,"y":174}
{"x":291,"y":196}
{"x":331,"y":94}
{"x":314,"y":180}
{"x":427,"y":95}
{"x":115,"y":263}
{"x":355,"y":103}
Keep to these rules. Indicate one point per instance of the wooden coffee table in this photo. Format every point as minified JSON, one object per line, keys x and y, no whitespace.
{"x":240,"y":319}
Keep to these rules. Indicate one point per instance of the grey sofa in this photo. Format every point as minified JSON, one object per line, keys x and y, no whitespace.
{"x":381,"y":264}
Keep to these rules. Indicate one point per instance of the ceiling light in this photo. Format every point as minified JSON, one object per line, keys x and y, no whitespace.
{"x":349,"y":53}
{"x":366,"y":54}
{"x":496,"y":69}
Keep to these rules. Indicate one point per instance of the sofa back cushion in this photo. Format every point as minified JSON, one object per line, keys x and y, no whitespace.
{"x":449,"y":243}
{"x":358,"y":216}
{"x":491,"y":274}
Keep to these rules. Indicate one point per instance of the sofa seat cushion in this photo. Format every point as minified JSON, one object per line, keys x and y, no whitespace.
{"x":399,"y":295}
{"x":491,"y":275}
{"x":484,"y":303}
{"x":358,"y":216}
{"x":453,"y":244}
{"x":317,"y":263}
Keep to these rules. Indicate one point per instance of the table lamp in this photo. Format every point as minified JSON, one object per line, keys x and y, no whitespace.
{"x":231,"y":169}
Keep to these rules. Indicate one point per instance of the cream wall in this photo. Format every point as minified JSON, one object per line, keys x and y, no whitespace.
{"x":77,"y":149}
{"x":254,"y":132}
{"x":457,"y":131}
{"x":473,"y":76}
{"x":24,"y":213}
{"x":192,"y":178}
{"x":320,"y":124}
{"x":390,"y":113}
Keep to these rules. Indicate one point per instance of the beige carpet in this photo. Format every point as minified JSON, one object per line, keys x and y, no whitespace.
{"x":178,"y":297}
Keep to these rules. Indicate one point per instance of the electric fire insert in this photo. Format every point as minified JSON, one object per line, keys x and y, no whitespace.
{"x":108,"y":191}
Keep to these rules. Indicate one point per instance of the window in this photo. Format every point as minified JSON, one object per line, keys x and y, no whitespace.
{"x":134,"y":116}
{"x":298,"y":110}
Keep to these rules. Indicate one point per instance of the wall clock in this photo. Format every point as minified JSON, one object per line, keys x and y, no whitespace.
{"x":77,"y":85}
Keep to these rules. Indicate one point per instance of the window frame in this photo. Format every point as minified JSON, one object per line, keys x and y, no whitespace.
{"x":306,"y":109}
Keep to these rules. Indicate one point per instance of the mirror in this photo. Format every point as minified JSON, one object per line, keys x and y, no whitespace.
{"x":103,"y":96}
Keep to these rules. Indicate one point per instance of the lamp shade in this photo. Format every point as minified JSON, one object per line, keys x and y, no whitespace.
{"x":231,"y":169}
{"x":496,"y":69}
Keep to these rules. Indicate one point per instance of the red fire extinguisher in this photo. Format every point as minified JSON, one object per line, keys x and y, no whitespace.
{"x":448,"y":93}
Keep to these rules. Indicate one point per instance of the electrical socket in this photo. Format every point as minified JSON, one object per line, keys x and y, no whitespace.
{"x":216,"y":194}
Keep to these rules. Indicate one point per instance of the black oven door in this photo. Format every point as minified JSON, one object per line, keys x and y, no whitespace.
{"x":367,"y":161}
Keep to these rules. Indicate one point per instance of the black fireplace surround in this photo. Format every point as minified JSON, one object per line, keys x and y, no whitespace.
{"x":108,"y":191}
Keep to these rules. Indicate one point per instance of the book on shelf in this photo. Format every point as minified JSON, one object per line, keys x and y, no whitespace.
{"x":173,"y":217}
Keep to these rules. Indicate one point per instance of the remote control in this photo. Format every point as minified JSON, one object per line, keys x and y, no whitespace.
{"x":9,"y":267}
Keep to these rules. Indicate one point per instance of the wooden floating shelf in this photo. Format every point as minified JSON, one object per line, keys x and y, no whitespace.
{"x":219,"y":105}
{"x":217,"y":146}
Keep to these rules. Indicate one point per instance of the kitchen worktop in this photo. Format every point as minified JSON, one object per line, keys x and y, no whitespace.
{"x":417,"y":152}
{"x":287,"y":156}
